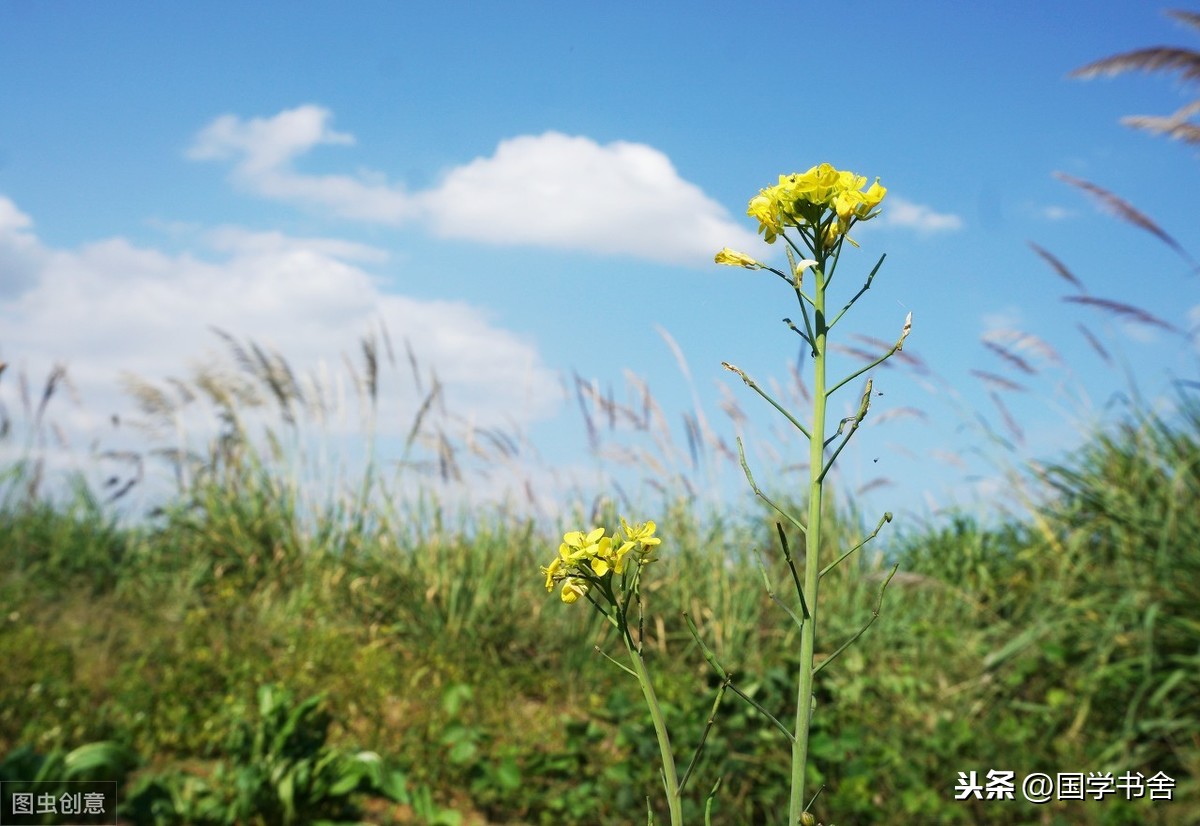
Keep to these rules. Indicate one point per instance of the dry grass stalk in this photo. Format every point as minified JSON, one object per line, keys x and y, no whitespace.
{"x":1095,"y":344}
{"x":1174,"y":126}
{"x":998,"y":381}
{"x":1158,"y":59}
{"x":1024,"y":342}
{"x":1126,"y":311}
{"x":1126,"y":212}
{"x":1153,"y":59}
{"x":1011,"y":357}
{"x":1058,"y":266}
{"x":1009,"y":421}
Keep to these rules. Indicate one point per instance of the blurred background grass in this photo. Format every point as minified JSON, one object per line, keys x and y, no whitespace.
{"x":240,"y":645}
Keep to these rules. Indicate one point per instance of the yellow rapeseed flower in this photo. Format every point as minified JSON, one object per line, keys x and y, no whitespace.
{"x":622,"y":554}
{"x":805,"y":199}
{"x":765,"y":208}
{"x":604,"y":557}
{"x":871,"y":199}
{"x":642,"y":534}
{"x":577,"y":547}
{"x":550,"y":572}
{"x":573,"y":589}
{"x":737,"y":259}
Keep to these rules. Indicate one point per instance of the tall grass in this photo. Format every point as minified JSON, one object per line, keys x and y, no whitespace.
{"x":1062,"y":641}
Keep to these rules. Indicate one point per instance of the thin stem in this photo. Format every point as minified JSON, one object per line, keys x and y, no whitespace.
{"x":792,"y":325}
{"x":758,"y":491}
{"x":858,"y":294}
{"x":859,"y":372}
{"x":708,"y":803}
{"x":887,"y":517}
{"x":712,"y":718}
{"x":727,"y":678}
{"x":614,"y":661}
{"x":787,"y":555}
{"x":791,"y":737}
{"x":855,"y":421}
{"x":670,"y":778}
{"x":804,"y":689}
{"x":754,"y":386}
{"x":863,"y":630}
{"x":899,"y":345}
{"x":808,"y":325}
{"x":771,"y":592}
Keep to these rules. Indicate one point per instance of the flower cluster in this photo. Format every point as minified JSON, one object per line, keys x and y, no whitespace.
{"x":584,"y":558}
{"x":801,"y":200}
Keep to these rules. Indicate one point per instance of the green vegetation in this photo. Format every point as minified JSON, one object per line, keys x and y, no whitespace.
{"x":243,"y":662}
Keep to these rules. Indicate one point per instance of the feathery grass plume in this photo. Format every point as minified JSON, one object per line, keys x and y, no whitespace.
{"x":1058,"y":266}
{"x":593,"y":435}
{"x":874,"y":484}
{"x":1126,"y":311}
{"x":57,"y":375}
{"x":857,"y":353}
{"x":1095,"y":344}
{"x":370,"y":351}
{"x":1024,"y":342}
{"x":1011,"y":423}
{"x":1157,"y":59}
{"x":730,"y":406}
{"x":1010,"y":357}
{"x":1128,"y":213}
{"x":901,"y":413}
{"x":412,"y":363}
{"x":999,"y":381}
{"x":1174,"y":126}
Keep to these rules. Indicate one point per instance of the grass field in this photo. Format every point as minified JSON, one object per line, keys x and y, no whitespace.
{"x":249,"y":656}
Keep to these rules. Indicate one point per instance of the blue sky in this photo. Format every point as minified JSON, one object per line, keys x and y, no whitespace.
{"x":527,"y":192}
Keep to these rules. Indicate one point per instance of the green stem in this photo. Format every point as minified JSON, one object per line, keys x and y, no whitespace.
{"x":812,"y":567}
{"x":670,"y":777}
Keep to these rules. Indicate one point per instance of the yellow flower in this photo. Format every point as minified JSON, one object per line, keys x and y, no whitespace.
{"x":576,"y":547}
{"x":551,"y":570}
{"x":737,"y":259}
{"x":642,"y":534}
{"x":849,"y":181}
{"x":833,"y":231}
{"x":604,"y":556}
{"x":573,"y":589}
{"x":874,"y":196}
{"x":845,"y":203}
{"x":622,"y":553}
{"x":871,"y":199}
{"x":765,"y":208}
{"x":805,"y":200}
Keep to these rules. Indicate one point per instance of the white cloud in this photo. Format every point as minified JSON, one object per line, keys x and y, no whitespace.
{"x":898,"y":212}
{"x":570,"y":192}
{"x":111,"y":307}
{"x":263,"y":145}
{"x":549,"y":190}
{"x":263,"y":149}
{"x":20,"y":254}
